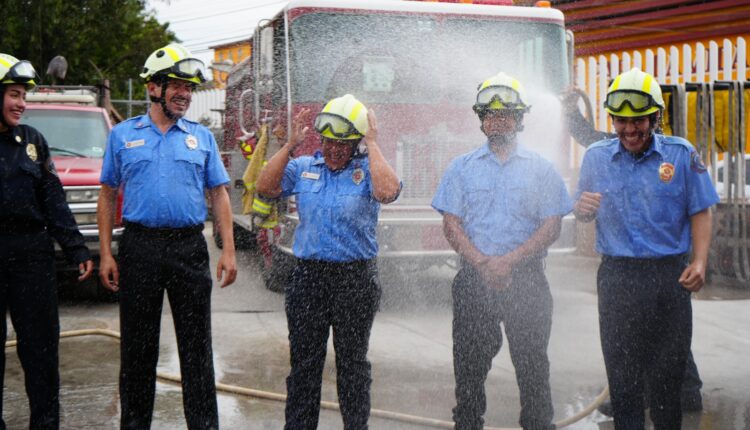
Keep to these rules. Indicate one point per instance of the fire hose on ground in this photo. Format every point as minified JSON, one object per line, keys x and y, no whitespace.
{"x":379,"y":413}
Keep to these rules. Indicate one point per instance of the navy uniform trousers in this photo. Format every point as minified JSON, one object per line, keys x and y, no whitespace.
{"x":645,"y":323}
{"x":320,"y":296}
{"x":152,"y":261}
{"x":28,"y":289}
{"x":525,"y":309}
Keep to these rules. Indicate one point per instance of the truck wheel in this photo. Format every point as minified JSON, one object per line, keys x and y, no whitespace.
{"x":277,"y":276}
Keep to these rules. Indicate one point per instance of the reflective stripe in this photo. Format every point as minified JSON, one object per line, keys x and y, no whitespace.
{"x":261,"y":207}
{"x":646,"y":88}
{"x":616,"y":83}
{"x":355,"y":112}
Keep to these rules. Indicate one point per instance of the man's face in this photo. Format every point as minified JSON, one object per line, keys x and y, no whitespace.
{"x":634,"y":133}
{"x":337,"y":153}
{"x":499,"y":123}
{"x":178,"y":96}
{"x":14,"y":104}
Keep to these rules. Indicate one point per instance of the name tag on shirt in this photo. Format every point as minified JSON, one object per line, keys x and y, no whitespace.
{"x":311,"y":175}
{"x":135,"y":143}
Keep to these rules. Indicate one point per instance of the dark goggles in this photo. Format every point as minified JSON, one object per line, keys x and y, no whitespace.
{"x":187,"y":69}
{"x":22,"y":72}
{"x":508,"y":97}
{"x":638,"y":101}
{"x":338,"y":126}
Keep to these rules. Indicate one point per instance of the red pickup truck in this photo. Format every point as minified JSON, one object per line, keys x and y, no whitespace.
{"x":76,"y":129}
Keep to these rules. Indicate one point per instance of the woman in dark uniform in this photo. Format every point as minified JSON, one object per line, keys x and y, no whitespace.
{"x":335,"y":282}
{"x":33,"y":211}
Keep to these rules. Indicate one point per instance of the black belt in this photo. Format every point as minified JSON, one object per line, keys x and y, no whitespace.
{"x":677,"y":258}
{"x":163,"y":231}
{"x":355,"y":265}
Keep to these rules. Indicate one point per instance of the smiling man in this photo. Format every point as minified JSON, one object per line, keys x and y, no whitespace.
{"x":651,"y":198}
{"x":164,"y":163}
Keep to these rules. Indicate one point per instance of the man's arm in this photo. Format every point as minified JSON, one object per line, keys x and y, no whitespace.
{"x":105,"y":219}
{"x":385,"y":183}
{"x":223,"y":218}
{"x":268,"y":183}
{"x":694,"y":276}
{"x":459,"y":240}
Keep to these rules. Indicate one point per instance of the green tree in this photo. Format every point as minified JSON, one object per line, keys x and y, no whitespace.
{"x":99,"y":38}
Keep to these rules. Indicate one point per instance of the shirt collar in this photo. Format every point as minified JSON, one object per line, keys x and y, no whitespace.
{"x":518,"y":151}
{"x":656,"y":147}
{"x":145,"y":121}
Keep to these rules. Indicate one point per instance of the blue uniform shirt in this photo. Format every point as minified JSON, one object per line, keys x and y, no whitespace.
{"x":647,"y":202}
{"x":501,"y":204}
{"x":164,"y":175}
{"x":337,"y":211}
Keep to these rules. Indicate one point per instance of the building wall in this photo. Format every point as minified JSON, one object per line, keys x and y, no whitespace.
{"x":235,"y":53}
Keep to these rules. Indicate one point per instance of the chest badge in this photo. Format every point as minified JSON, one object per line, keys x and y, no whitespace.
{"x":666,"y":172}
{"x":18,"y":139}
{"x":191,"y":142}
{"x":31,"y":151}
{"x":358,"y":175}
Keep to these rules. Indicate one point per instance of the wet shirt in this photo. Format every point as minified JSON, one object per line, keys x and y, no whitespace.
{"x":164,"y":174}
{"x":337,"y":212}
{"x":31,"y":195}
{"x":646,"y":202}
{"x":501,"y":204}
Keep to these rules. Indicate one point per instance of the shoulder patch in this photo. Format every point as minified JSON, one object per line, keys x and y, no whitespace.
{"x":696,"y":163}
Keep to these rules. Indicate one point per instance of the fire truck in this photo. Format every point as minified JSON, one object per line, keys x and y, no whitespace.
{"x":75,"y":123}
{"x":417,"y":65}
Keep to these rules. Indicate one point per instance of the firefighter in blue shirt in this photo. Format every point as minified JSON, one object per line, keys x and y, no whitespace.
{"x":651,"y":198}
{"x":502,"y":207}
{"x":165,"y":163}
{"x":335,"y":281}
{"x":33,"y":212}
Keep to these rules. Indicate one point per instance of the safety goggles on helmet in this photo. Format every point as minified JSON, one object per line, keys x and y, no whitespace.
{"x":335,"y":125}
{"x":636,"y":100}
{"x":21,"y":73}
{"x":189,"y":68}
{"x":508,"y":98}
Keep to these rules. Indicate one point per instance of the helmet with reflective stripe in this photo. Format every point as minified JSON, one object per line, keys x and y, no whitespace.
{"x":15,"y":71}
{"x":501,"y":92}
{"x":343,"y":118}
{"x":174,"y":61}
{"x":633,"y":94}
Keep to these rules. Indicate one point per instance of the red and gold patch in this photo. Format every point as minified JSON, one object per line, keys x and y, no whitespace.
{"x":666,"y":172}
{"x":358,"y":175}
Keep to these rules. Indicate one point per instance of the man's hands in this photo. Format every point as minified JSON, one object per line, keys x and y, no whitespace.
{"x":108,"y":273}
{"x":587,"y":205}
{"x":299,"y":129}
{"x":496,"y":272}
{"x":227,"y":265}
{"x":372,"y":132}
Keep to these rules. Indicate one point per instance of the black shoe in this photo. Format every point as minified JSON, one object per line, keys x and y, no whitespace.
{"x":692,"y":402}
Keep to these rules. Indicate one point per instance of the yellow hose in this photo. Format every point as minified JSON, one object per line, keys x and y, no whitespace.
{"x":379,"y":413}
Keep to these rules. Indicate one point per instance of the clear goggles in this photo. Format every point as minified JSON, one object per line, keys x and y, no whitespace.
{"x":188,"y":68}
{"x":508,"y":97}
{"x":336,"y":125}
{"x":636,"y":100}
{"x":22,"y":72}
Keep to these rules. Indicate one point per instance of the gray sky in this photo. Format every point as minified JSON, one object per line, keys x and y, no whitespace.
{"x":203,"y":23}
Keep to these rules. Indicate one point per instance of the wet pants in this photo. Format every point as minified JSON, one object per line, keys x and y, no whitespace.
{"x":320,"y":296}
{"x":28,"y":290}
{"x":525,"y":310}
{"x":645,"y":322}
{"x":153,"y":261}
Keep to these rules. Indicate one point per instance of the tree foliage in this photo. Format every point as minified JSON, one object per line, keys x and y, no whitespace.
{"x":100,"y":38}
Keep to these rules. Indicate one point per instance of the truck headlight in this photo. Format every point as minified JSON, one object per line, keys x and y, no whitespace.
{"x":85,"y":219}
{"x":82,"y":196}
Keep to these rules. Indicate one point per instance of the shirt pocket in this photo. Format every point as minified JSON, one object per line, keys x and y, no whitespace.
{"x":665,"y":204}
{"x":190,"y":166}
{"x":521,"y":200}
{"x":353,"y":200}
{"x":478,"y":201}
{"x":135,"y":161}
{"x":31,"y":169}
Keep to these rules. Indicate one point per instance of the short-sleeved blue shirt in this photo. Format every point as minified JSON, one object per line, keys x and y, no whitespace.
{"x":501,"y":204}
{"x":646,"y":202}
{"x":164,"y":174}
{"x":337,"y":211}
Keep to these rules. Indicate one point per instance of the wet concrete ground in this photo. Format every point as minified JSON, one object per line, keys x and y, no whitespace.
{"x":410,"y":353}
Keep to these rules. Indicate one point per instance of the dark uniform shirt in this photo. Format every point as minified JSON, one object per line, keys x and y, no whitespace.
{"x":31,"y":195}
